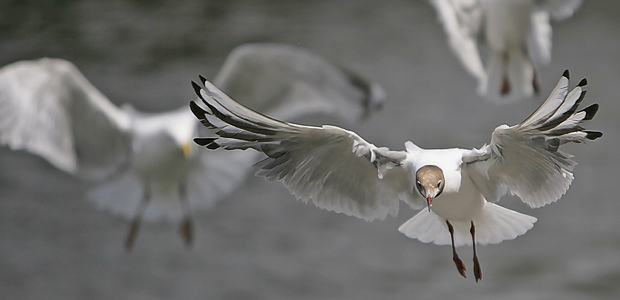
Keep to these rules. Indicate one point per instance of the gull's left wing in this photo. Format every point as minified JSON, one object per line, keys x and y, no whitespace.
{"x":334,"y":167}
{"x":525,"y":158}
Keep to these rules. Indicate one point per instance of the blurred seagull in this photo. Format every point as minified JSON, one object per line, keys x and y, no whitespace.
{"x":339,"y":171}
{"x":518,"y":36}
{"x":147,"y":165}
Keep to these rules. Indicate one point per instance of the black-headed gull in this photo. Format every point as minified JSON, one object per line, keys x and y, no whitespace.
{"x":337,"y":170}
{"x":147,"y":165}
{"x":518,"y":36}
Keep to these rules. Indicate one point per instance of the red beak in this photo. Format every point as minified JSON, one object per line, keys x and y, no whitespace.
{"x":429,"y":202}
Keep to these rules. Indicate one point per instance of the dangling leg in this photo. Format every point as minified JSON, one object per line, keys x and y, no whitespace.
{"x":186,"y":225}
{"x":477,"y":270}
{"x":137,"y":219}
{"x":460,"y":266}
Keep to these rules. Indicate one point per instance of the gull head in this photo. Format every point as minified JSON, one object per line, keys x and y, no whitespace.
{"x":430,"y":183}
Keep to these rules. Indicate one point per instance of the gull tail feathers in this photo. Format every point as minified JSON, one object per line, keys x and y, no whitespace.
{"x":496,"y":224}
{"x":120,"y":196}
{"x":493,"y":225}
{"x":123,"y":195}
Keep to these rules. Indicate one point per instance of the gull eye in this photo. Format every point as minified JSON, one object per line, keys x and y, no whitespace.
{"x":420,"y":187}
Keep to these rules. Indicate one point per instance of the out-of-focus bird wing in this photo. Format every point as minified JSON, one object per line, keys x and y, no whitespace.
{"x":525,"y":158}
{"x":333,"y":167}
{"x":558,"y":9}
{"x":48,"y":108}
{"x":539,"y":39}
{"x":286,"y":82}
{"x":462,"y":21}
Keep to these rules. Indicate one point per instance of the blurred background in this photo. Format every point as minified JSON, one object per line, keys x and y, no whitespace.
{"x":261,"y":243}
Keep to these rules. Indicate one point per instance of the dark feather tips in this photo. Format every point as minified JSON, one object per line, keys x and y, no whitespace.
{"x":593,"y":135}
{"x":196,"y":110}
{"x":566,"y":74}
{"x":202,"y":79}
{"x":583,"y":82}
{"x":207,"y":142}
{"x":590,"y":111}
{"x":197,"y":89}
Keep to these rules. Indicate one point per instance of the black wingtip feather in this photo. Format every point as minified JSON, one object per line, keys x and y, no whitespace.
{"x":566,"y":74}
{"x":197,"y":89}
{"x":583,"y":82}
{"x":590,"y":111}
{"x":202,"y":79}
{"x":207,"y":142}
{"x":196,"y":110}
{"x":593,"y":135}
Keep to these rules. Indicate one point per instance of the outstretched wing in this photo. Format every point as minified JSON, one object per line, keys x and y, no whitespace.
{"x":526,"y":159}
{"x":462,"y":22}
{"x":48,"y":108}
{"x":285,"y":82}
{"x":333,"y":167}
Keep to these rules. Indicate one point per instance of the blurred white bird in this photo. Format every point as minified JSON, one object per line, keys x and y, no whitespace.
{"x":518,"y":36}
{"x":340,"y":171}
{"x":147,"y":164}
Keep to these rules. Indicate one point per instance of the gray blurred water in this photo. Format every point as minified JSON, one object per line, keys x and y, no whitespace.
{"x":261,"y":243}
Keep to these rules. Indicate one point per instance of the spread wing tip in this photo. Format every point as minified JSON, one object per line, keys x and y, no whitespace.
{"x":590,"y":111}
{"x":593,"y":135}
{"x":196,"y":110}
{"x":566,"y":74}
{"x":583,"y":82}
{"x":197,"y":88}
{"x":207,"y":142}
{"x":202,"y":79}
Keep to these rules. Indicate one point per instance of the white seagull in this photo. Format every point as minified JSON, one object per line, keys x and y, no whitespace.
{"x":518,"y":38}
{"x":146,"y":164}
{"x":338,"y":170}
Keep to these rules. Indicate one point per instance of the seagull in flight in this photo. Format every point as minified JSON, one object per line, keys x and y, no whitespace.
{"x":517,"y":35}
{"x":456,"y":189}
{"x":145,"y":164}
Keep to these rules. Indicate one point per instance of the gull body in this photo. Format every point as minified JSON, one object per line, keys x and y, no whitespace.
{"x":145,"y":164}
{"x":518,"y":39}
{"x":338,"y":170}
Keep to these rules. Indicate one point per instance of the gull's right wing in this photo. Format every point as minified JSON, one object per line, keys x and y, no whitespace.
{"x":334,"y":167}
{"x":526,"y":158}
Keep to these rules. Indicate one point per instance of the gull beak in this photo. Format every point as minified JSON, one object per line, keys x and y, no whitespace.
{"x":187,"y":149}
{"x":429,"y":202}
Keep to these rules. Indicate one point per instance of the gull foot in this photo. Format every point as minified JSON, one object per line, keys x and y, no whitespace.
{"x":460,"y":266}
{"x":477,"y":270}
{"x":186,"y":231}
